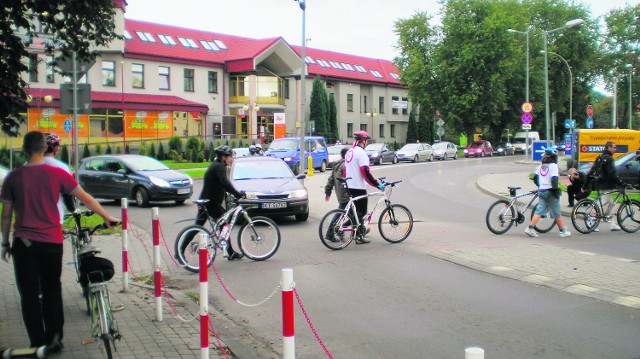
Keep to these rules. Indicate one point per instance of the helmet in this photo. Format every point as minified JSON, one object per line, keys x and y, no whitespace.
{"x":258,"y":146}
{"x":252,"y":149}
{"x":223,"y":151}
{"x":53,"y":141}
{"x":359,"y":135}
{"x":551,"y":150}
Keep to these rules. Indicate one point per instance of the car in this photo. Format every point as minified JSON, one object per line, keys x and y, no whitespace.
{"x":288,"y":150}
{"x":4,"y":171}
{"x":141,"y":178}
{"x":443,"y":150}
{"x":334,"y":154}
{"x":505,"y":149}
{"x":415,"y":152}
{"x":380,"y":153}
{"x":627,"y":168}
{"x":479,"y":148}
{"x":560,"y":147}
{"x":241,"y":152}
{"x":271,"y":186}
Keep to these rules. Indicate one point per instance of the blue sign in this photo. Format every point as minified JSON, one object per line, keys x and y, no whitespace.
{"x":568,"y":144}
{"x":526,"y":118}
{"x":537,"y":150}
{"x":590,"y":122}
{"x":67,"y":125}
{"x":569,"y":124}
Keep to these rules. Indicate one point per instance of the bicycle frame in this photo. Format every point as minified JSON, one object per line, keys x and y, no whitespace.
{"x":614,"y":199}
{"x":522,"y":208}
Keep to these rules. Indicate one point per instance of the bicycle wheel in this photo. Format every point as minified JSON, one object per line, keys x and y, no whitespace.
{"x":500,"y":217}
{"x":545,"y":224}
{"x":585,"y":216}
{"x":259,"y":239}
{"x":105,"y":318}
{"x":336,"y":230}
{"x":86,"y":293}
{"x":186,"y":248}
{"x":629,"y":216}
{"x":395,"y":223}
{"x":74,"y":254}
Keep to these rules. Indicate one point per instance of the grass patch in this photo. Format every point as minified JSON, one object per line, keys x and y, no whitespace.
{"x":90,"y":222}
{"x":184,"y":165}
{"x":195,"y":173}
{"x":195,"y":297}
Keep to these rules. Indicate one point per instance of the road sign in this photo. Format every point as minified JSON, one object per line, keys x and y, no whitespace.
{"x":538,"y":148}
{"x":526,"y":127}
{"x":84,"y":98}
{"x":440,"y":123}
{"x":526,"y":118}
{"x":568,"y":144}
{"x":590,"y":111}
{"x":569,"y":124}
{"x":590,"y":122}
{"x":440,"y":131}
{"x":65,"y":65}
{"x":67,"y":125}
{"x":527,"y":107}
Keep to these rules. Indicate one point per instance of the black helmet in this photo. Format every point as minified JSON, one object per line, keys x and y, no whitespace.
{"x":223,"y":151}
{"x":53,"y":141}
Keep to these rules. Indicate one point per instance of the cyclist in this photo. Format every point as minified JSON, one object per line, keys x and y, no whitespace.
{"x":216,"y":185}
{"x":259,"y":151}
{"x":252,"y":150}
{"x":357,"y":170}
{"x":607,"y":178}
{"x":546,"y":178}
{"x":53,"y":143}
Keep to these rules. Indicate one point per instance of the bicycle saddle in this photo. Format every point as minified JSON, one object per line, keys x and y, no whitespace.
{"x":89,"y":250}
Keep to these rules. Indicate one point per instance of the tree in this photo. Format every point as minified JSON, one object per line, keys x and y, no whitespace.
{"x":425,"y":126}
{"x":160,"y":155}
{"x":333,"y":118}
{"x":85,"y":151}
{"x":318,"y":107}
{"x":68,"y":26}
{"x":412,"y":128}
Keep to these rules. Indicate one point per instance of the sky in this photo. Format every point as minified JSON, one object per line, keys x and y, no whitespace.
{"x":358,"y":27}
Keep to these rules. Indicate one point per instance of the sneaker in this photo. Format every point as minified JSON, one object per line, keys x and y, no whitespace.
{"x":614,"y":227}
{"x":570,"y":205}
{"x":595,"y":229}
{"x":565,"y":233}
{"x":362,"y":240}
{"x":235,"y":255}
{"x":531,"y":232}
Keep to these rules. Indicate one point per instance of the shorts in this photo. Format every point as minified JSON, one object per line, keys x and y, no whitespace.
{"x":548,"y":203}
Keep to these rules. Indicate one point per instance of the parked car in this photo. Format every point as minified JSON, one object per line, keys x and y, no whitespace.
{"x":288,"y":150}
{"x":443,"y":150}
{"x":240,"y":152}
{"x":141,"y":178}
{"x":4,"y":171}
{"x":379,"y":153}
{"x":415,"y":152}
{"x":505,"y":149}
{"x":479,"y":148}
{"x":271,"y":186}
{"x":561,"y":146}
{"x":627,"y":167}
{"x":334,"y":154}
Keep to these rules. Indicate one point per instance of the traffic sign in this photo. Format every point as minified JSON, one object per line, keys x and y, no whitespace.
{"x":527,"y":107}
{"x":590,"y":122}
{"x":526,"y":126}
{"x":568,"y":144}
{"x":590,"y":111}
{"x":440,"y":123}
{"x":526,"y":118}
{"x":569,"y":124}
{"x":440,"y":131}
{"x":67,"y":125}
{"x":538,"y":148}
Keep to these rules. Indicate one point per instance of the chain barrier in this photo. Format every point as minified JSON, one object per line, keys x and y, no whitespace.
{"x":224,"y":286}
{"x":131,"y":270}
{"x":173,"y":308}
{"x":313,"y":329}
{"x":167,"y":247}
{"x":215,"y":335}
{"x":135,"y":233}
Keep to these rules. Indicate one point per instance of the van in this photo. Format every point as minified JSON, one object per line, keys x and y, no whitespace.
{"x":520,"y":140}
{"x":288,"y":150}
{"x":588,"y":144}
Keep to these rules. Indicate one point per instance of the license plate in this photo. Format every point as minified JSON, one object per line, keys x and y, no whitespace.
{"x":184,"y":191}
{"x":274,"y":205}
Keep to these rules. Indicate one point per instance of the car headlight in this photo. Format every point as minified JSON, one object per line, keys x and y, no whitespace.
{"x":478,"y":151}
{"x":300,"y":193}
{"x":251,"y":195}
{"x":374,"y":155}
{"x":288,"y":159}
{"x":466,"y":151}
{"x":159,"y":181}
{"x":190,"y":180}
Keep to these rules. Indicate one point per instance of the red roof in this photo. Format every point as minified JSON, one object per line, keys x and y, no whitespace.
{"x":131,"y":101}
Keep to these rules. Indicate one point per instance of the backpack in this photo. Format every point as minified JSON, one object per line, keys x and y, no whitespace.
{"x":594,"y":175}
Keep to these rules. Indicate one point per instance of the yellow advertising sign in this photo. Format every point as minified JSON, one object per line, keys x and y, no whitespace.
{"x":50,"y":119}
{"x":148,"y":123}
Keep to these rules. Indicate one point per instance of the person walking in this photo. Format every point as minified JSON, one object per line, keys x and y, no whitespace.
{"x":31,"y":193}
{"x":546,"y":178}
{"x":576,"y":189}
{"x":358,"y":174}
{"x":53,"y":143}
{"x":342,"y":195}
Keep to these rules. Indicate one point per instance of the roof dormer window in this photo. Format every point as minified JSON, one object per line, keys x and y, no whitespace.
{"x":145,"y":36}
{"x":309,"y":60}
{"x":127,"y":35}
{"x":220,"y":44}
{"x":323,"y":63}
{"x":361,"y":69}
{"x":376,"y":74}
{"x":209,"y":45}
{"x":395,"y":75}
{"x":347,"y":66}
{"x":167,"y":40}
{"x":188,"y":43}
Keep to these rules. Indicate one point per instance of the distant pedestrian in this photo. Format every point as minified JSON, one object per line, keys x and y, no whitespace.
{"x":342,"y":195}
{"x":546,"y":178}
{"x":53,"y":144}
{"x":576,"y":191}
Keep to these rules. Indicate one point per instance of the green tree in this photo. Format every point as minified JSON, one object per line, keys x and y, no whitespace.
{"x":412,"y":128}
{"x":175,"y":144}
{"x":108,"y":150}
{"x":425,"y":126}
{"x":69,"y":26}
{"x":318,"y":107}
{"x":333,"y":117}
{"x":98,"y":149}
{"x":161,"y":156}
{"x":85,"y":151}
{"x":152,"y":150}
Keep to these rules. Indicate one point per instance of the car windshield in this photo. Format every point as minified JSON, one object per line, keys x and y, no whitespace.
{"x":439,"y":146}
{"x":245,"y":170}
{"x":410,"y":147}
{"x":477,"y":144}
{"x":143,"y":163}
{"x":289,"y":144}
{"x":630,"y":156}
{"x":334,"y":150}
{"x":374,"y":147}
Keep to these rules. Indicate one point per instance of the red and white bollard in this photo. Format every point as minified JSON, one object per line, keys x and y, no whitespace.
{"x":157,"y":274}
{"x":474,"y":353}
{"x":288,"y":328}
{"x":125,"y":243}
{"x":204,"y":298}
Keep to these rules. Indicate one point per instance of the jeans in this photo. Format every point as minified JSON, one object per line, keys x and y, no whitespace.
{"x":38,"y":268}
{"x":329,"y":234}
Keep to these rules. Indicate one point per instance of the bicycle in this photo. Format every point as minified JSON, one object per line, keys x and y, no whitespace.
{"x":588,"y":212}
{"x":339,"y":227}
{"x":258,"y":237}
{"x":503,"y":214}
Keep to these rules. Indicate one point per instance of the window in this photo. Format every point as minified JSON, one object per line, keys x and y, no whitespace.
{"x":366,"y":107}
{"x":349,"y":102}
{"x":127,"y":35}
{"x":323,"y":63}
{"x":286,"y":88}
{"x":164,"y":72}
{"x":49,"y":72}
{"x":381,"y":104}
{"x":381,"y":130}
{"x":405,"y":106}
{"x":137,"y":76}
{"x":363,"y":127}
{"x":188,"y":43}
{"x":33,"y":68}
{"x":346,"y":66}
{"x":213,"y":82}
{"x":360,"y":68}
{"x":188,"y":80}
{"x":395,"y":75}
{"x":145,"y":36}
{"x":376,"y":74}
{"x":167,"y":40}
{"x":220,"y":44}
{"x":394,"y":108}
{"x":349,"y":130}
{"x":209,"y":45}
{"x":309,"y":60}
{"x":392,"y":129}
{"x":108,"y":73}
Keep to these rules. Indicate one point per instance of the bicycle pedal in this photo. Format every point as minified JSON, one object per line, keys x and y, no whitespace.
{"x":88,"y":341}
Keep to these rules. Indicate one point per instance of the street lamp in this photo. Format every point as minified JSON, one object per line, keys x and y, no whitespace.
{"x":630,"y":68}
{"x":570,"y":82}
{"x":303,"y":79}
{"x":569,"y":24}
{"x":373,"y":114}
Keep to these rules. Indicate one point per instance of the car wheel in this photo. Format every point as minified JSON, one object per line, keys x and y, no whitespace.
{"x":395,"y":160}
{"x":444,"y":157}
{"x":180,"y":201}
{"x":430,"y":158}
{"x":323,"y":166}
{"x":142,"y":197}
{"x":455,"y":157}
{"x":379,"y":161}
{"x":302,"y":217}
{"x":415,"y":158}
{"x":482,"y":154}
{"x":296,"y":168}
{"x":491,"y":154}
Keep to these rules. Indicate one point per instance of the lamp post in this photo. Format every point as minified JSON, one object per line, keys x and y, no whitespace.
{"x":303,"y":7}
{"x":570,"y":82}
{"x":630,"y":68}
{"x":372,"y":113}
{"x":569,"y":24}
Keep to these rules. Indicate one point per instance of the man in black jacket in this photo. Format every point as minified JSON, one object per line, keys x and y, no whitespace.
{"x":607,"y":178}
{"x":575,"y":189}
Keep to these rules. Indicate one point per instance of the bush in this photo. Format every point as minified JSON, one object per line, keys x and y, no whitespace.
{"x":85,"y":151}
{"x":160,"y":155}
{"x":174,"y":155}
{"x":108,"y":150}
{"x":192,"y":142}
{"x":118,"y":150}
{"x":127,"y":149}
{"x":64,"y":154}
{"x":142,"y":151}
{"x":152,"y":150}
{"x":175,"y":144}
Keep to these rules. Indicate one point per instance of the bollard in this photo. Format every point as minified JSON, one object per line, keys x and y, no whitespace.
{"x":309,"y":166}
{"x":288,"y":332}
{"x":125,"y":243}
{"x":474,"y":353}
{"x":157,"y":274}
{"x":204,"y":299}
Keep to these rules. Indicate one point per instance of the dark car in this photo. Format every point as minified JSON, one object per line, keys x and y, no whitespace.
{"x":479,"y":148}
{"x":136,"y":177}
{"x":626,"y":168}
{"x":271,"y":186}
{"x":379,"y":153}
{"x":504,"y":149}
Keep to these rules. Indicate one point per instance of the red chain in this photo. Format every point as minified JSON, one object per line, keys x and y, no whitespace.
{"x":313,"y":329}
{"x":167,"y":247}
{"x":215,"y":334}
{"x":222,"y":282}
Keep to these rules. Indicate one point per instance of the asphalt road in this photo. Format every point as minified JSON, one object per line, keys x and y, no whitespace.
{"x":392,"y":301}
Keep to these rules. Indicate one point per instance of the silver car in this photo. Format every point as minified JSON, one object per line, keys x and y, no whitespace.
{"x":415,"y":152}
{"x":443,"y":150}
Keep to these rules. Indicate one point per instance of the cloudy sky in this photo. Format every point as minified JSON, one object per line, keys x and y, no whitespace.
{"x":361,"y":27}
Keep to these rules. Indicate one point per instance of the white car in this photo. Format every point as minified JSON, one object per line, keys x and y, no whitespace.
{"x":443,"y":150}
{"x":3,"y":173}
{"x":415,"y":152}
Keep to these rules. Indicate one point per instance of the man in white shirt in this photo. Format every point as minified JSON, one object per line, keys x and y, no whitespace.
{"x":53,"y":144}
{"x":358,"y":174}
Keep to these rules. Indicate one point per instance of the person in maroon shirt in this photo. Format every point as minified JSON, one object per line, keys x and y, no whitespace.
{"x":31,"y":193}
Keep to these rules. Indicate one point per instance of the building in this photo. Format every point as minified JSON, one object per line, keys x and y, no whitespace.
{"x":173,"y":81}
